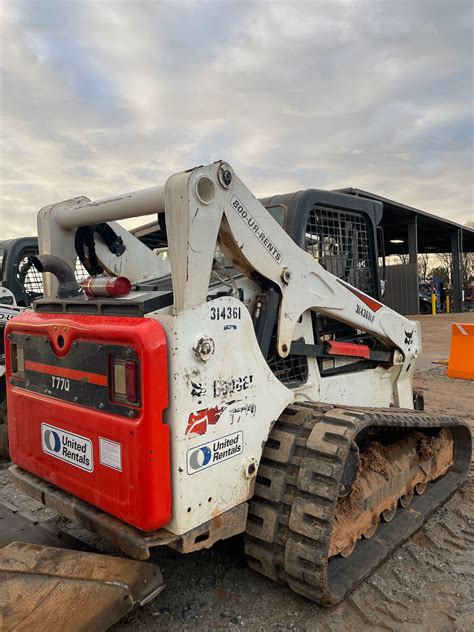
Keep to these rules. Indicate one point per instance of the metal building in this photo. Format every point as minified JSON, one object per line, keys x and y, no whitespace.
{"x":409,"y":231}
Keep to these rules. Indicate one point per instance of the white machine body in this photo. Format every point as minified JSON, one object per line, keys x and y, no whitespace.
{"x":223,"y":397}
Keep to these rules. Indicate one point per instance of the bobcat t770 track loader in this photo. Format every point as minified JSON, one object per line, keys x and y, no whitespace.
{"x":247,"y":380}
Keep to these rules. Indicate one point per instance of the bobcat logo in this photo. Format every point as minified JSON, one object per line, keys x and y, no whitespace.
{"x":197,"y":389}
{"x":408,"y":337}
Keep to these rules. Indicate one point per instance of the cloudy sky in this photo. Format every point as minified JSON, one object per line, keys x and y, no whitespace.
{"x":101,"y":97}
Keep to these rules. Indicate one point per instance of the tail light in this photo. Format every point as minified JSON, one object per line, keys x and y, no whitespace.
{"x":124,"y":381}
{"x":17,"y":360}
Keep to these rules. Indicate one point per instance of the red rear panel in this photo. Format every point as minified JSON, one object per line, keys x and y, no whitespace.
{"x":73,"y":423}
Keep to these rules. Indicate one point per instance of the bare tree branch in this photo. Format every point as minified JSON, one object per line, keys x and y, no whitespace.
{"x":404,"y":258}
{"x":423,"y":263}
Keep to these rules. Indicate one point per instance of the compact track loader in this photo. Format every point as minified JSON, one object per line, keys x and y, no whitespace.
{"x":241,"y":377}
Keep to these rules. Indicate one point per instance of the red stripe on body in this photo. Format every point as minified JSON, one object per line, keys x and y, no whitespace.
{"x":73,"y":374}
{"x":370,"y":302}
{"x":348,"y":349}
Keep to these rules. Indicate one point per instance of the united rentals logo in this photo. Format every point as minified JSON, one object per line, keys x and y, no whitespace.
{"x":52,"y":440}
{"x":67,"y":446}
{"x":215,"y":452}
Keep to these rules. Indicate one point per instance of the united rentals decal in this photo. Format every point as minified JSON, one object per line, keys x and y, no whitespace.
{"x":215,"y":452}
{"x":67,"y":446}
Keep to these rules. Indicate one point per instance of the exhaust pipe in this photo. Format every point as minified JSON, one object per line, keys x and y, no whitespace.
{"x":67,"y":284}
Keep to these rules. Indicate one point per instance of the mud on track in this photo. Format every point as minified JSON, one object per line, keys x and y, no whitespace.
{"x":427,"y":585}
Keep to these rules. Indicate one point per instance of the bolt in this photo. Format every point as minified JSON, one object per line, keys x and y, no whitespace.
{"x":225,"y":176}
{"x":45,"y":339}
{"x":27,"y":337}
{"x":100,"y":348}
{"x":129,"y":351}
{"x":284,"y":348}
{"x":101,"y":406}
{"x":75,"y":343}
{"x":75,"y":399}
{"x":131,"y":413}
{"x":204,"y":348}
{"x":250,"y":468}
{"x":285,"y":276}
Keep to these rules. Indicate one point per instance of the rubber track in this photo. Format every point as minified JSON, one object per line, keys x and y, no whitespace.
{"x":297,"y":488}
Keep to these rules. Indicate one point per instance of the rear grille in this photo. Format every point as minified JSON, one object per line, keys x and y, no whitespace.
{"x":94,"y":364}
{"x":32,"y":354}
{"x":81,"y":377}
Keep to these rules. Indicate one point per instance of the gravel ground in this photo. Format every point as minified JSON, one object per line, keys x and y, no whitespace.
{"x":426,"y":585}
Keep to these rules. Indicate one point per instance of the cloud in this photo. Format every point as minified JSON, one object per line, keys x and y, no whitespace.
{"x":104,"y":97}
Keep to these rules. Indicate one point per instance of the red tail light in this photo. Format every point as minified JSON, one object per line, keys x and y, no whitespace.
{"x":131,"y":381}
{"x":124,"y":381}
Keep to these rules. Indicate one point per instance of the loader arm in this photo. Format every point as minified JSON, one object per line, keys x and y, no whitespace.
{"x":210,"y":205}
{"x":256,"y":244}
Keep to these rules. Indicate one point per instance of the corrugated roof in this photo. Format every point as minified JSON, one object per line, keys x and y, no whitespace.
{"x":434,"y":232}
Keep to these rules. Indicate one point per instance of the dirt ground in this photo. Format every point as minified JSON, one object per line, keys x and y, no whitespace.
{"x":427,"y":584}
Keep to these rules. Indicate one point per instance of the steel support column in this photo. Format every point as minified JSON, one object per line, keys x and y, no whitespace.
{"x":413,"y":255}
{"x":456,"y":249}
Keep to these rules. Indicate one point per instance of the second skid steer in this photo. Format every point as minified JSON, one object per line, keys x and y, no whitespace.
{"x":242,"y":377}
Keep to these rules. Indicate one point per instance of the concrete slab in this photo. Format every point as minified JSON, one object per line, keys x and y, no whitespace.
{"x":436,"y":335}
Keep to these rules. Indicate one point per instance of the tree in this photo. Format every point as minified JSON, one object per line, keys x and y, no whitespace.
{"x":447,"y":265}
{"x":467,"y":268}
{"x":404,"y":258}
{"x":467,"y":264}
{"x":441,"y":272}
{"x":423,"y":263}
